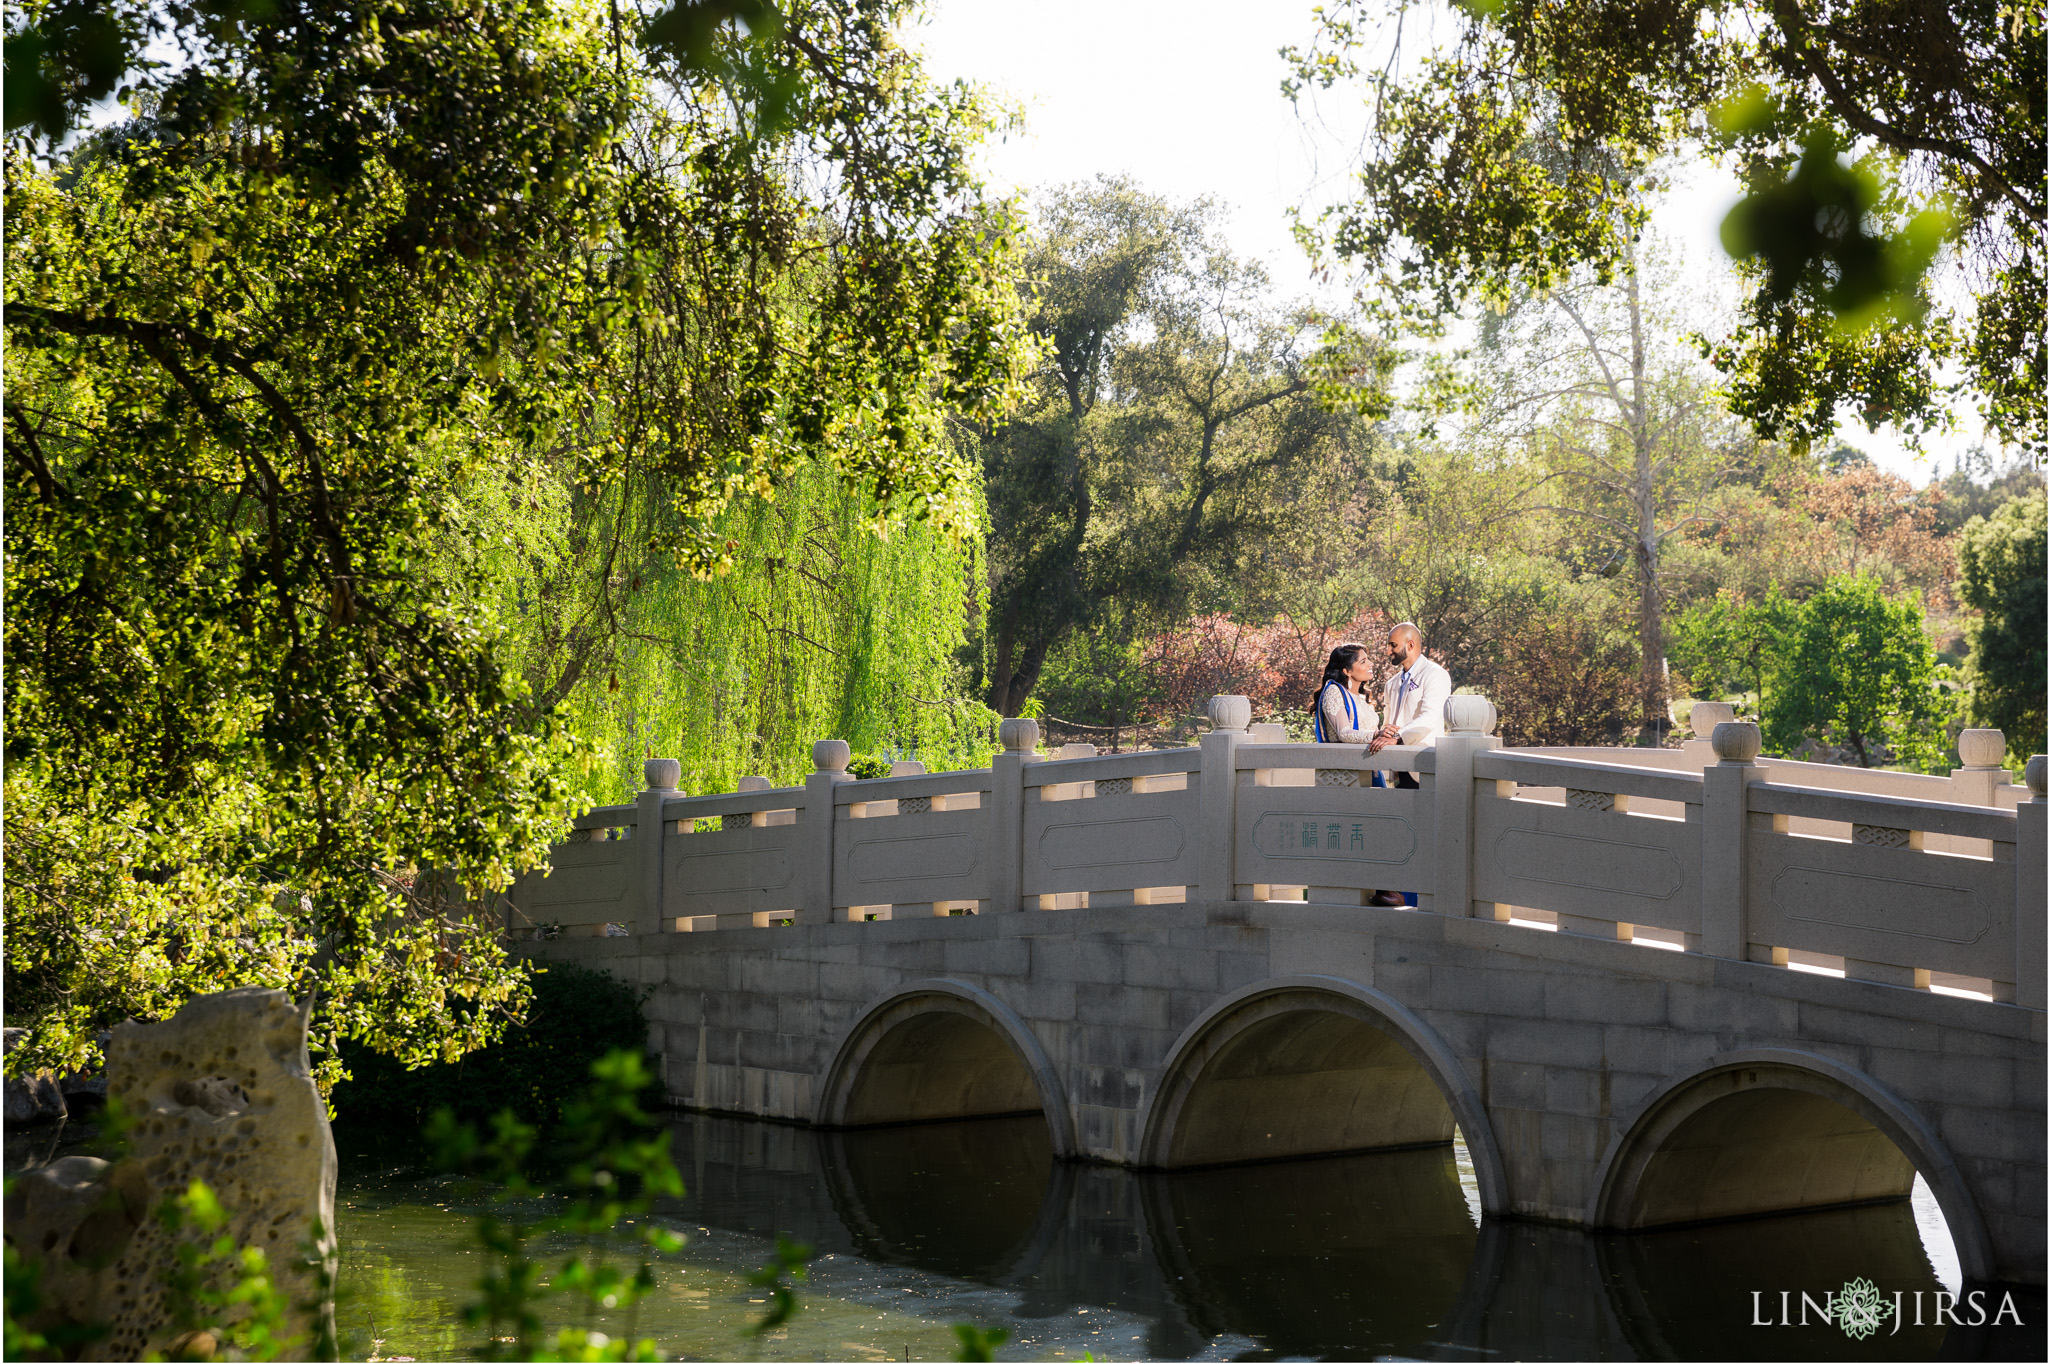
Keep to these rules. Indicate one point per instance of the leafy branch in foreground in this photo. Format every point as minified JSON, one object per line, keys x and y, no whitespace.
{"x":976,"y":1345}
{"x":611,"y":1163}
{"x":784,"y":1268}
{"x":222,"y":1294}
{"x":1877,"y":141}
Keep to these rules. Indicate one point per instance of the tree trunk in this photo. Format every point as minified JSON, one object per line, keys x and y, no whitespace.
{"x":1011,"y":692}
{"x":1650,"y":622}
{"x":1001,"y":672}
{"x":1650,"y":599}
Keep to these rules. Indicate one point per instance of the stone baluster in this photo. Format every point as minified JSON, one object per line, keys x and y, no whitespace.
{"x":1230,"y":719}
{"x":1705,"y":715}
{"x":765,"y":818}
{"x":1724,"y":842}
{"x":1982,"y":775}
{"x":1006,"y":815}
{"x":662,"y":775}
{"x":829,"y":757}
{"x":1469,"y":724}
{"x":2030,"y":891}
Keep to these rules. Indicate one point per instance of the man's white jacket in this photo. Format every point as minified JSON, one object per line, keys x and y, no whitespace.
{"x":1415,"y":700}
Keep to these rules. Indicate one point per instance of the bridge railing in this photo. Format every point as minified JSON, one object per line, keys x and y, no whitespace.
{"x":1606,"y":848}
{"x":1926,"y":882}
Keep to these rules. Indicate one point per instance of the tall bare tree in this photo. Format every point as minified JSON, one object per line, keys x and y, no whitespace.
{"x":1590,"y":385}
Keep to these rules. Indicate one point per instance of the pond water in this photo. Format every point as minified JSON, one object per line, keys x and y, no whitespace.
{"x":1351,"y":1257}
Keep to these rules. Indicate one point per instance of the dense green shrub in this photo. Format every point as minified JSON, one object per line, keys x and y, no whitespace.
{"x":2002,"y":559}
{"x":577,"y":1016}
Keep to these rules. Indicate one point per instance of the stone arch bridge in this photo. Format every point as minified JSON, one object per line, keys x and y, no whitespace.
{"x":1648,"y":987}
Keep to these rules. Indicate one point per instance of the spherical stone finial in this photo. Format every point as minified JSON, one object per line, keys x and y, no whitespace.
{"x":831,"y":755}
{"x":1981,"y":747}
{"x":906,"y":767}
{"x":1737,"y":741}
{"x":2037,"y":775}
{"x":1470,"y":713}
{"x":663,"y":773}
{"x":754,"y":784}
{"x":1019,"y":735}
{"x":1707,"y":714}
{"x":1230,"y":713}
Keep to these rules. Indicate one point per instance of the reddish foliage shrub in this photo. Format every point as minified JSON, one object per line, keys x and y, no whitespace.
{"x":1560,"y":681}
{"x":1277,"y":665}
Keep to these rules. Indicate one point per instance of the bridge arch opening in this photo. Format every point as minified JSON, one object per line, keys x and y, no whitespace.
{"x":937,"y":1051}
{"x":1761,"y":1133}
{"x":1314,"y":1065}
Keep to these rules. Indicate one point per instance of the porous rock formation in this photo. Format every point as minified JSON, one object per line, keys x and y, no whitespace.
{"x":222,"y":1093}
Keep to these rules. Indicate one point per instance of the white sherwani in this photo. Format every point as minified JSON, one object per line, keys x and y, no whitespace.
{"x":1415,"y":700}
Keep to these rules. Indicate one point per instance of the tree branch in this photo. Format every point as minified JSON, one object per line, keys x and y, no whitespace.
{"x":1805,"y":52}
{"x":30,"y":452}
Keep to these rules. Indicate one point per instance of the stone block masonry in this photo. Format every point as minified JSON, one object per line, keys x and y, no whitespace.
{"x":1561,"y":1096}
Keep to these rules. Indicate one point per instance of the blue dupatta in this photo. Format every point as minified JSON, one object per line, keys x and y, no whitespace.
{"x":1350,"y":708}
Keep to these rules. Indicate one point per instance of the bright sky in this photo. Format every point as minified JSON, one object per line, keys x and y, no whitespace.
{"x":1184,"y":96}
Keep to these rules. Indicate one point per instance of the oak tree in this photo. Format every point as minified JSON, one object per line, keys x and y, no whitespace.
{"x":1179,"y":421}
{"x":1871,"y":135}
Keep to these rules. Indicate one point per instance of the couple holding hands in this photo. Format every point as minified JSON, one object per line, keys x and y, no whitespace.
{"x":1412,"y":700}
{"x":1413,"y":696}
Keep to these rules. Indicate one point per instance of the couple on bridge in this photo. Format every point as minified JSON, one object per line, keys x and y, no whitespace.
{"x":1413,"y":696}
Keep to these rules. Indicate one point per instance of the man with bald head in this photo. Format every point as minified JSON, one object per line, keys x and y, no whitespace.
{"x":1415,"y":694}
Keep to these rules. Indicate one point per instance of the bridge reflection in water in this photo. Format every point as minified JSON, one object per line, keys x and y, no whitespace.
{"x":1338,"y":1256}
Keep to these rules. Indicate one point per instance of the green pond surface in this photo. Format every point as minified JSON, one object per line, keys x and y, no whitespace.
{"x":1375,"y":1256}
{"x":1346,"y":1257}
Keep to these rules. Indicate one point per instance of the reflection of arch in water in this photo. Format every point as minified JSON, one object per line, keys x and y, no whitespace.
{"x":1766,"y":1131}
{"x":1685,"y":1293}
{"x":1335,"y":1257}
{"x":1537,"y":1292}
{"x":941,"y":1049}
{"x":978,"y":1199}
{"x":1304,"y":1065}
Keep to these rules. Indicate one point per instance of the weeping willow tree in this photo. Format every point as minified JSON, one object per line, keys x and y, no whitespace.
{"x":832,"y":623}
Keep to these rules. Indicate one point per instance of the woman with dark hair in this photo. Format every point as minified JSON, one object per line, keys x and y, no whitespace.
{"x":1342,"y":714}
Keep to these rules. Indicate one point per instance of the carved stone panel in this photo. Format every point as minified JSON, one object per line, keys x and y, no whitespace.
{"x":1354,"y":837}
{"x":1333,"y":835}
{"x":588,"y":883}
{"x":1891,"y":905}
{"x":915,"y":857}
{"x":1587,"y":861}
{"x":1954,"y":914}
{"x":732,"y":871}
{"x":1111,"y":842}
{"x":1600,"y":864}
{"x":719,"y":872}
